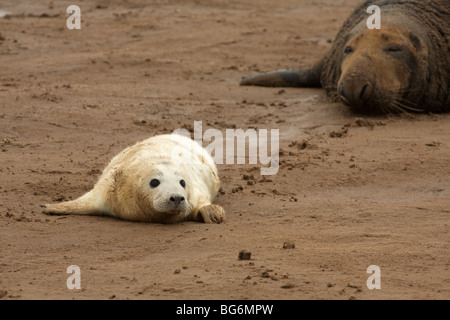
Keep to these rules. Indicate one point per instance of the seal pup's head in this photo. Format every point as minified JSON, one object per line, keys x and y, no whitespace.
{"x":163,"y":194}
{"x":152,"y":190}
{"x":378,"y":68}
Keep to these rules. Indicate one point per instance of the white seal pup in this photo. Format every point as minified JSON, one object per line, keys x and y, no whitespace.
{"x":164,"y":179}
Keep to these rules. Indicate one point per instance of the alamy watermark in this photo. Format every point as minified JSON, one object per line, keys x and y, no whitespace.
{"x":235,"y":146}
{"x":74,"y":20}
{"x":374,"y":21}
{"x":73,"y":281}
{"x":374,"y":281}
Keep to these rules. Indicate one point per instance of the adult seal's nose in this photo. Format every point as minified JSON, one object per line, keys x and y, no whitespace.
{"x":355,"y":92}
{"x":342,"y":93}
{"x":365,"y":91}
{"x":176,"y":199}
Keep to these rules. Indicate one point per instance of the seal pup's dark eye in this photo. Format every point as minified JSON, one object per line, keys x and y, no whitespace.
{"x":348,"y":50}
{"x":183,"y":183}
{"x":154,"y":183}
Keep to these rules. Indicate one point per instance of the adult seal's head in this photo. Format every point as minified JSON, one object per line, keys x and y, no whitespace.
{"x":404,"y":66}
{"x":166,"y":179}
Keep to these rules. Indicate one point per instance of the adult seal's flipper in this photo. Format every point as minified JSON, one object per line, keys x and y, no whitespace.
{"x":305,"y":77}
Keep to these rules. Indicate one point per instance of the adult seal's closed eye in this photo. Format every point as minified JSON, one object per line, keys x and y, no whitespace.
{"x":166,"y":179}
{"x":404,"y":66}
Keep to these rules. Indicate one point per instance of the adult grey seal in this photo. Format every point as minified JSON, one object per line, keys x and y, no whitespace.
{"x":404,"y":66}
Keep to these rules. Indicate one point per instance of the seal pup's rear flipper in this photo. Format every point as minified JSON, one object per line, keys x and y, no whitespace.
{"x":87,"y":204}
{"x":304,"y":77}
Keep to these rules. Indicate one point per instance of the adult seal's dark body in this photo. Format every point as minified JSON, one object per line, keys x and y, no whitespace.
{"x":404,"y":66}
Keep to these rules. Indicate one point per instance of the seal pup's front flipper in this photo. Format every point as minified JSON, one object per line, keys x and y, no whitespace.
{"x":210,"y":213}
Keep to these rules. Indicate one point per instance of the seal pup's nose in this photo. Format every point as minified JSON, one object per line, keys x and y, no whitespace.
{"x":176,"y":199}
